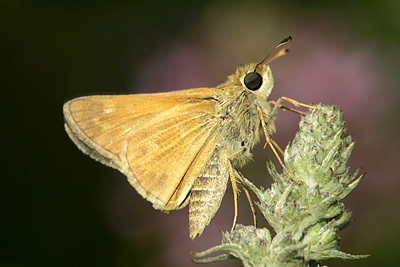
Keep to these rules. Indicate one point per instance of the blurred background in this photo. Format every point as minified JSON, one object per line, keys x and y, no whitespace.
{"x":61,"y":208}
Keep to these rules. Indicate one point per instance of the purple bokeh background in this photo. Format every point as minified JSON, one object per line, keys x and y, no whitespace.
{"x":61,"y":208}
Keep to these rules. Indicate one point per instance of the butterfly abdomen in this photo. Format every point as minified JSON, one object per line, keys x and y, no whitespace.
{"x":207,"y":193}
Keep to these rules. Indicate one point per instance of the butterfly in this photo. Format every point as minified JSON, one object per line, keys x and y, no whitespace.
{"x":181,"y":147}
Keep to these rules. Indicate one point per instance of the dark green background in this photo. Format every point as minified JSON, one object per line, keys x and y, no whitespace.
{"x":61,"y":208}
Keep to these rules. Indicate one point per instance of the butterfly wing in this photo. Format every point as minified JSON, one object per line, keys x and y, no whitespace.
{"x":159,"y":141}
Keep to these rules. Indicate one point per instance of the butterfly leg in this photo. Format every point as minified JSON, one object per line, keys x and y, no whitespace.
{"x":271,"y":143}
{"x":276,"y":145}
{"x":234,"y":184}
{"x":277,"y":105}
{"x":249,"y":199}
{"x":294,"y":102}
{"x":286,"y":108}
{"x":253,"y":211}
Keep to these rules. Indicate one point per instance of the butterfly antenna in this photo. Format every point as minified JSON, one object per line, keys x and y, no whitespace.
{"x":282,"y":52}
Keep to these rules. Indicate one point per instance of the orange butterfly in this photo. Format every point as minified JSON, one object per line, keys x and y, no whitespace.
{"x":180,"y":147}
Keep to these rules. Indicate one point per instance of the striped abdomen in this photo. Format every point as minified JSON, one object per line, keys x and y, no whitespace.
{"x":207,"y":192}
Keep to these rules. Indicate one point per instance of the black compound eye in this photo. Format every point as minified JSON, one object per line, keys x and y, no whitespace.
{"x":253,"y":80}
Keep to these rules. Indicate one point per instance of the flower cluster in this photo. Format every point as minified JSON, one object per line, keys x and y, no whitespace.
{"x":306,"y":215}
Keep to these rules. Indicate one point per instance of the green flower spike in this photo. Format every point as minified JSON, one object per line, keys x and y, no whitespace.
{"x":306,"y":216}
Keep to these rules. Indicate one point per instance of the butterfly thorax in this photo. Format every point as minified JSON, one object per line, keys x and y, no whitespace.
{"x":239,"y":112}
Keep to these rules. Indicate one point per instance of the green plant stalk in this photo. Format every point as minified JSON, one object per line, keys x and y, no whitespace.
{"x":307,"y":215}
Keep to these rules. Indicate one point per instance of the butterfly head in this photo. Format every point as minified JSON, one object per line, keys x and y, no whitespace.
{"x":256,"y":79}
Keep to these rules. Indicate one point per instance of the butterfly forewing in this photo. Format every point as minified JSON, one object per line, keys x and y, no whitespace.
{"x":156,"y":140}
